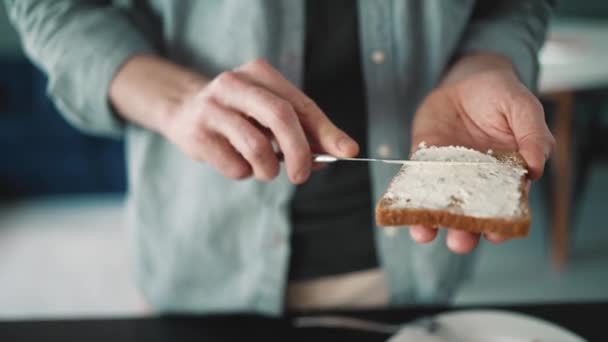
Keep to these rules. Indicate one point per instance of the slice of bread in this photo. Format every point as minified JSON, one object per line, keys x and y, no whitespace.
{"x":490,"y":196}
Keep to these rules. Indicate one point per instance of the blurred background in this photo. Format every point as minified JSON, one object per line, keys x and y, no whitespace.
{"x":63,"y":249}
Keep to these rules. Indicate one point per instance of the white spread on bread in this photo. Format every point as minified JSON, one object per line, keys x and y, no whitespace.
{"x":490,"y":189}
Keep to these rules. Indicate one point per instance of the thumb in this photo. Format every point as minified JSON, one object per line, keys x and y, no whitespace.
{"x":326,"y":135}
{"x":534,"y":140}
{"x":535,"y":151}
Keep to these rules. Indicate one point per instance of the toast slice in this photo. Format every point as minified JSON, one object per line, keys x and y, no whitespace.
{"x":486,"y":197}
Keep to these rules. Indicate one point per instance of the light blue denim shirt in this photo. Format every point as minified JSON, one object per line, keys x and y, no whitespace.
{"x":202,"y":243}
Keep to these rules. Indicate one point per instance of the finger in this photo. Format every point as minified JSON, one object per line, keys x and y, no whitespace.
{"x":252,"y":144}
{"x":217,"y":152}
{"x":461,"y":242}
{"x":495,"y":238}
{"x":535,"y":150}
{"x":321,"y":130}
{"x":274,"y":113}
{"x":534,"y":140}
{"x":316,"y":124}
{"x":422,"y":234}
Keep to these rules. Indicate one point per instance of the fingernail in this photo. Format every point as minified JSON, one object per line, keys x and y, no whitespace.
{"x":346,"y":144}
{"x":452,"y":245}
{"x":414,"y":234}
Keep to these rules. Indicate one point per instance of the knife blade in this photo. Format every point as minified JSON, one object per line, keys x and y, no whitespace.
{"x":328,"y":158}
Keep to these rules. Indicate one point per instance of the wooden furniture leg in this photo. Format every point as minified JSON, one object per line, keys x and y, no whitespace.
{"x":562,"y":128}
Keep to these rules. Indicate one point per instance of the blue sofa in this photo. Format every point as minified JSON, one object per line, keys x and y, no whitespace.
{"x":40,"y":153}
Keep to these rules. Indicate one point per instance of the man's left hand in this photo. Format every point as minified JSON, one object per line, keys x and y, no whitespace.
{"x":481,"y":104}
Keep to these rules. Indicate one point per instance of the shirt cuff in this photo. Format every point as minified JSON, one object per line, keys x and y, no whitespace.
{"x":82,"y":93}
{"x":513,"y":43}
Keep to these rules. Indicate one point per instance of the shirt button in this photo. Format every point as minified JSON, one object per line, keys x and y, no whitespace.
{"x":390,"y":231}
{"x":378,"y":57}
{"x":384,"y":151}
{"x":277,"y":240}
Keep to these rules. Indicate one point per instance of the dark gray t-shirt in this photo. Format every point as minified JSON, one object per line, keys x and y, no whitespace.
{"x":331,"y":212}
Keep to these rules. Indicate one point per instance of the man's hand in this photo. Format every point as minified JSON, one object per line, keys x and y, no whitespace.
{"x":482,"y":105}
{"x":232,"y":121}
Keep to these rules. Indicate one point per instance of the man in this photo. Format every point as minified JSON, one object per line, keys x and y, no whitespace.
{"x":203,"y":92}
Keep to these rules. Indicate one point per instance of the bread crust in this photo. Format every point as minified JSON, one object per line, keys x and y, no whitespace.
{"x":507,"y":227}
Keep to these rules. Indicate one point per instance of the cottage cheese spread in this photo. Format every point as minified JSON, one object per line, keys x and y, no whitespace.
{"x":488,"y":190}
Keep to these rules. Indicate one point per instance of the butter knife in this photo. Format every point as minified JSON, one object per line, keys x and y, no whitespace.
{"x":327,"y":158}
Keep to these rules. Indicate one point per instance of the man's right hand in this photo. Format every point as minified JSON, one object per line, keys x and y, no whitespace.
{"x":231,"y":121}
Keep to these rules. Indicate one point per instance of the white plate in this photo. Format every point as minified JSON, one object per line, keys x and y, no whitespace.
{"x":489,"y":326}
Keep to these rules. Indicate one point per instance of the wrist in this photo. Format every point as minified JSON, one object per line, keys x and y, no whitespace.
{"x":174,"y":97}
{"x":473,"y":64}
{"x":149,"y":91}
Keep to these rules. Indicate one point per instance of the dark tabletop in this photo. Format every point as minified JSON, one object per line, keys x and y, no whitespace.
{"x":584,"y":319}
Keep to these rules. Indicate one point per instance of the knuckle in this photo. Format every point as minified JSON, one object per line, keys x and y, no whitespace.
{"x":257,"y":147}
{"x":208,"y":119}
{"x":226,"y":79}
{"x":257,"y":64}
{"x":206,"y":112}
{"x":307,"y":106}
{"x":534,"y":105}
{"x":206,"y":100}
{"x":257,"y":92}
{"x":527,"y":104}
{"x":201,"y":137}
{"x":200,"y":134}
{"x":283,"y":112}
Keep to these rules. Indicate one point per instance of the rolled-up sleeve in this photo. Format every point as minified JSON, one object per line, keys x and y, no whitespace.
{"x":80,"y":45}
{"x":512,"y":28}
